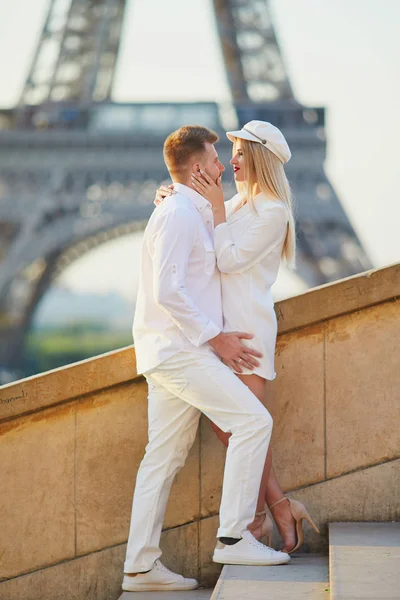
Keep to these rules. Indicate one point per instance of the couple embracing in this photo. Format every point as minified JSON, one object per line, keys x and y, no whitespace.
{"x":205,"y":333}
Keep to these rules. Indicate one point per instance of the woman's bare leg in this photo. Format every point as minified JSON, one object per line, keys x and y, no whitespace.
{"x":281,"y":512}
{"x":270,"y":490}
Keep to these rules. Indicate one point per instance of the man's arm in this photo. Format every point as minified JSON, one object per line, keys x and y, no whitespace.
{"x":172,"y":242}
{"x":233,"y":352}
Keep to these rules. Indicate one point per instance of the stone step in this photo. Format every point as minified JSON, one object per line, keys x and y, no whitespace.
{"x":304,"y":578}
{"x":192,"y":595}
{"x":364,"y":561}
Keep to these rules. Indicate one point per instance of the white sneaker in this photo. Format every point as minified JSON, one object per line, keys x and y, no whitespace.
{"x":249,"y":551}
{"x":158,"y":579}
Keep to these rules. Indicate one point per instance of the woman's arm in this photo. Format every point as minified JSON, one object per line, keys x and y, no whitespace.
{"x":264,"y":232}
{"x":163,"y":192}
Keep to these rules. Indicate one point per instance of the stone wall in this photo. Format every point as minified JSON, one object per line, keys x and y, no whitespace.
{"x":71,"y":441}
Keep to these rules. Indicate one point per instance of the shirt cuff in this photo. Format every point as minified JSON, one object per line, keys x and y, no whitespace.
{"x":222,"y":238}
{"x":211,"y":330}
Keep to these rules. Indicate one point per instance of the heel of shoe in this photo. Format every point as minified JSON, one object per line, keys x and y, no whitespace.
{"x":299,"y":512}
{"x":311,"y":522}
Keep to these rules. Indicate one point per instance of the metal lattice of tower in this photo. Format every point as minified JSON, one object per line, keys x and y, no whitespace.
{"x":76,"y":55}
{"x":92,"y":175}
{"x":328,"y":247}
{"x":253,"y":60}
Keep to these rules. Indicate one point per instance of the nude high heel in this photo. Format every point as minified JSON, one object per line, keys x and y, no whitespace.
{"x":267,"y":526}
{"x":299,"y":512}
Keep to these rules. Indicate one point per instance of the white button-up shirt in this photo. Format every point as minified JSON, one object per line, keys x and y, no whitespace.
{"x":179,"y":305}
{"x":248,"y":249}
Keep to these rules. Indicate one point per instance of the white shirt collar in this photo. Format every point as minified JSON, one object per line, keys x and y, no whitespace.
{"x":198,"y":200}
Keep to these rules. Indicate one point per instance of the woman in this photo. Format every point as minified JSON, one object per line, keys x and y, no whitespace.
{"x":252,"y":232}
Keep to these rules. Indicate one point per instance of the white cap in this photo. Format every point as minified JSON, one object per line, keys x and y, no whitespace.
{"x":266,"y":134}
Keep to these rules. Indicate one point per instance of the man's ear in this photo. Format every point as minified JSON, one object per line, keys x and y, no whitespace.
{"x":196,"y":168}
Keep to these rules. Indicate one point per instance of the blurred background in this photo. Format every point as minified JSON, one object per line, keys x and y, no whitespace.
{"x":89,"y":89}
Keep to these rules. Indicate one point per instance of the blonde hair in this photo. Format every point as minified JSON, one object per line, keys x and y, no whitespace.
{"x":262,"y":167}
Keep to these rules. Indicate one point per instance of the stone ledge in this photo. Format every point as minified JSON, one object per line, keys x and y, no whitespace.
{"x":199,"y":594}
{"x":370,"y":494}
{"x":377,"y":484}
{"x":296,"y":492}
{"x":363,"y":560}
{"x":117,"y":367}
{"x":96,"y":576}
{"x":66,"y":383}
{"x":305,"y":577}
{"x":341,"y":297}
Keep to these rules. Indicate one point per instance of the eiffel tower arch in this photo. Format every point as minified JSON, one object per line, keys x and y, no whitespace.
{"x":78,"y":169}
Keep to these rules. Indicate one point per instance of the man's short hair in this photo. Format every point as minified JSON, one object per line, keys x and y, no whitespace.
{"x":182,"y":146}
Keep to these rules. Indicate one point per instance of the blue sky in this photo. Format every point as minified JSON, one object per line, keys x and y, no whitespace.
{"x":341,"y":54}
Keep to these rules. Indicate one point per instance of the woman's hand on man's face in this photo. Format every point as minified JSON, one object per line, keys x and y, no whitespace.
{"x":163,"y":192}
{"x":211,"y":190}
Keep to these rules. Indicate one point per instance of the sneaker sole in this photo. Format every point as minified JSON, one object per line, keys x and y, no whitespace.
{"x":250,"y":562}
{"x":148,"y":587}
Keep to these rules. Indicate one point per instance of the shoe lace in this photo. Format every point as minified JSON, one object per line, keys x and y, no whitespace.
{"x":162,"y":567}
{"x":254,"y":542}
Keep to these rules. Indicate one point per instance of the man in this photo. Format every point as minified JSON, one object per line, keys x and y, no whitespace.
{"x":179,"y":346}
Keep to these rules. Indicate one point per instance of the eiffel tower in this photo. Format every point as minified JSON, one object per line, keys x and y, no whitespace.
{"x":78,"y":169}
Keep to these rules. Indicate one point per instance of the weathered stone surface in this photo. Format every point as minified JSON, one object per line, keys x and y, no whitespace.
{"x":371,"y":494}
{"x":305,"y":578}
{"x":363,"y":388}
{"x":97,"y":576}
{"x":340,"y":297}
{"x":315,"y":305}
{"x":199,"y":594}
{"x":69,"y":479}
{"x":321,"y":303}
{"x":180,"y":547}
{"x":212,"y":462}
{"x":296,"y":401}
{"x":111,"y":440}
{"x":364,"y":561}
{"x":209,"y":571}
{"x":111,"y":437}
{"x":37,"y":490}
{"x":68,"y":382}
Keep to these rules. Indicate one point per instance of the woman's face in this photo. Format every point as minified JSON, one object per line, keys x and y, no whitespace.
{"x":238,"y":161}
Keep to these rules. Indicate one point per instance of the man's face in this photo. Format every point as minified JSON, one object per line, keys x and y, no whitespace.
{"x":209,"y":162}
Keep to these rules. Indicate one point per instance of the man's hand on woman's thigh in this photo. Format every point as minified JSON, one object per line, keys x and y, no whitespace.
{"x":234,"y":353}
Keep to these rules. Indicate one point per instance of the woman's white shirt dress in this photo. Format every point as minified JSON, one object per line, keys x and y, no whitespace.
{"x":248,"y":249}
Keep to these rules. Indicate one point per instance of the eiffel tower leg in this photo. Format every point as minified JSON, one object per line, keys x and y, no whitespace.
{"x":13,"y":339}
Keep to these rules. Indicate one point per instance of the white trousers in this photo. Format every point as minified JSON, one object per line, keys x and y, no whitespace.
{"x":180,"y":389}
